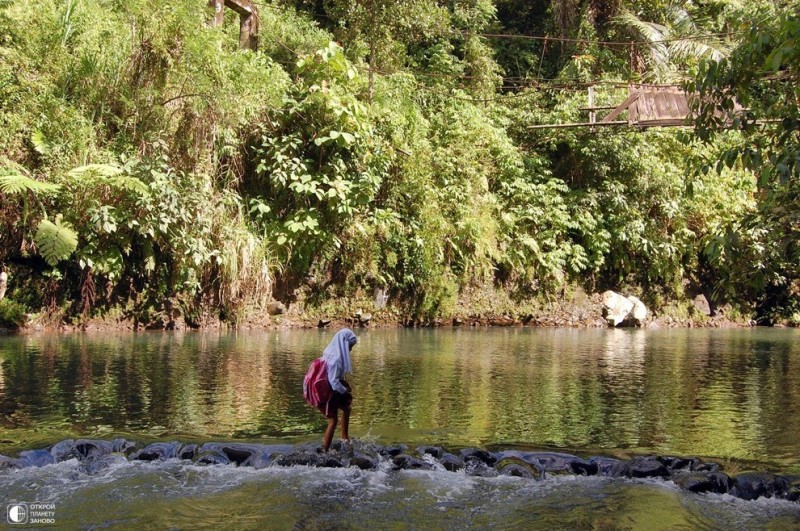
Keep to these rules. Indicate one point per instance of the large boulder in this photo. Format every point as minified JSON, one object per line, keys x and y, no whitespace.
{"x":715,"y":482}
{"x":702,"y":305}
{"x":753,"y":485}
{"x":452,"y":462}
{"x":638,"y":313}
{"x":616,"y":307}
{"x":3,"y":284}
{"x":620,"y":310}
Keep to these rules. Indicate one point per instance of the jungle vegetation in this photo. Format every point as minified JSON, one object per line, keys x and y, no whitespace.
{"x":150,"y":167}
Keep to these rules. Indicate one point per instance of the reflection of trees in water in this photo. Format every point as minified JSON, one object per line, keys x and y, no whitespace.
{"x":721,"y":393}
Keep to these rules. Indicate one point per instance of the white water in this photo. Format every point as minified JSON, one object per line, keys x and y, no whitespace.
{"x":180,"y":494}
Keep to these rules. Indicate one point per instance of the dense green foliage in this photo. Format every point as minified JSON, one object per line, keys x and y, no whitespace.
{"x":148,"y":165}
{"x":762,"y":75}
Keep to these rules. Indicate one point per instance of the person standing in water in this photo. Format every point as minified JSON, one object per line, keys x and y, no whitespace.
{"x":337,"y":360}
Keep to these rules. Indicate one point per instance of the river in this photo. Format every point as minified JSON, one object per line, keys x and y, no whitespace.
{"x":731,"y":396}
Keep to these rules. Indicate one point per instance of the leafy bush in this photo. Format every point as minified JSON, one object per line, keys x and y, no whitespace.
{"x":12,"y":314}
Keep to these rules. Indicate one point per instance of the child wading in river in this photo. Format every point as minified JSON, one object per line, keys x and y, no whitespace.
{"x":336,"y":357}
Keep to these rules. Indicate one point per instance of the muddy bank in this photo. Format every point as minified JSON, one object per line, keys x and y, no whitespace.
{"x":474,"y":308}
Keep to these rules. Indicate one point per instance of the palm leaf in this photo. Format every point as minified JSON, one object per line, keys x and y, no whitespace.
{"x":56,"y":241}
{"x":687,"y":48}
{"x":40,"y":143}
{"x":18,"y":184}
{"x":656,"y":52}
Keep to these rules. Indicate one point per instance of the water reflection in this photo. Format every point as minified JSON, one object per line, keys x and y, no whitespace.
{"x":714,"y":393}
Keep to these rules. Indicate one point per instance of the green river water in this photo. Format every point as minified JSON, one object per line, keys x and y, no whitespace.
{"x":732,"y":396}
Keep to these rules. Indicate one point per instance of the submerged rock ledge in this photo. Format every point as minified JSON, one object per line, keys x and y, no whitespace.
{"x":688,"y":473}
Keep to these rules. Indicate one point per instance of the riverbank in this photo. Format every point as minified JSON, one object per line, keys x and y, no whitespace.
{"x":475,"y":307}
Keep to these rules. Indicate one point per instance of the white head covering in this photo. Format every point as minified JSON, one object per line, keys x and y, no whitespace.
{"x":338,"y":350}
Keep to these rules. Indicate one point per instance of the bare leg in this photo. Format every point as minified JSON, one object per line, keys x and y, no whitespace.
{"x":346,"y":424}
{"x":326,"y":440}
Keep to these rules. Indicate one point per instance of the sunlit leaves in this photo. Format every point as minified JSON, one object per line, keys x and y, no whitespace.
{"x":18,"y":184}
{"x":56,"y":240}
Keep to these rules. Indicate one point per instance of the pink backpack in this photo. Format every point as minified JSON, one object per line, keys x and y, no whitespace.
{"x":316,"y":388}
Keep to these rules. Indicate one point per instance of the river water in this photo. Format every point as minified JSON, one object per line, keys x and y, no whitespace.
{"x":732,"y":396}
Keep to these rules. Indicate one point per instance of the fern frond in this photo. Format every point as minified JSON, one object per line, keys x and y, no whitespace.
{"x":110,"y":176}
{"x":56,"y":241}
{"x":103,"y":170}
{"x":18,"y":184}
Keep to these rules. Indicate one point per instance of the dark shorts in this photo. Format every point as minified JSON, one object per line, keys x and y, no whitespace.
{"x":338,"y":401}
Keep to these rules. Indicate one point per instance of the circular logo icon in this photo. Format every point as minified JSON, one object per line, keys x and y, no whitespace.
{"x":17,"y":513}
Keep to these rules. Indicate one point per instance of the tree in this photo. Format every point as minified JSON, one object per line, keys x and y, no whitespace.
{"x":381,"y":23}
{"x":673,"y":45}
{"x":763,"y":77}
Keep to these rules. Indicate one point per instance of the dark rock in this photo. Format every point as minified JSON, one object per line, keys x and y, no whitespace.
{"x":267,"y":455}
{"x":516,"y":470}
{"x":752,"y":485}
{"x":698,"y":482}
{"x":323,"y":323}
{"x":7,"y":463}
{"x":64,"y":450}
{"x":452,"y":462}
{"x":680,"y":463}
{"x":242,"y":454}
{"x":647,"y":467}
{"x":211,"y":458}
{"x":707,"y":467}
{"x":363,"y":461}
{"x":158,"y":452}
{"x":476,"y":467}
{"x":513,"y":463}
{"x":37,"y":457}
{"x":187,"y":451}
{"x":97,"y":463}
{"x":87,"y":448}
{"x":583,"y":467}
{"x":793,"y":491}
{"x":298,"y":458}
{"x":392,"y":451}
{"x":435,"y":451}
{"x":123,"y":446}
{"x":407,"y":462}
{"x":554,"y":462}
{"x":609,"y":467}
{"x":471,"y":454}
{"x":329,"y":461}
{"x":342,"y":447}
{"x":307,"y":457}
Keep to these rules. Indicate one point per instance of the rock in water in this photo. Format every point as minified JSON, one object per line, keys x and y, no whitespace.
{"x":407,"y":462}
{"x":452,"y":462}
